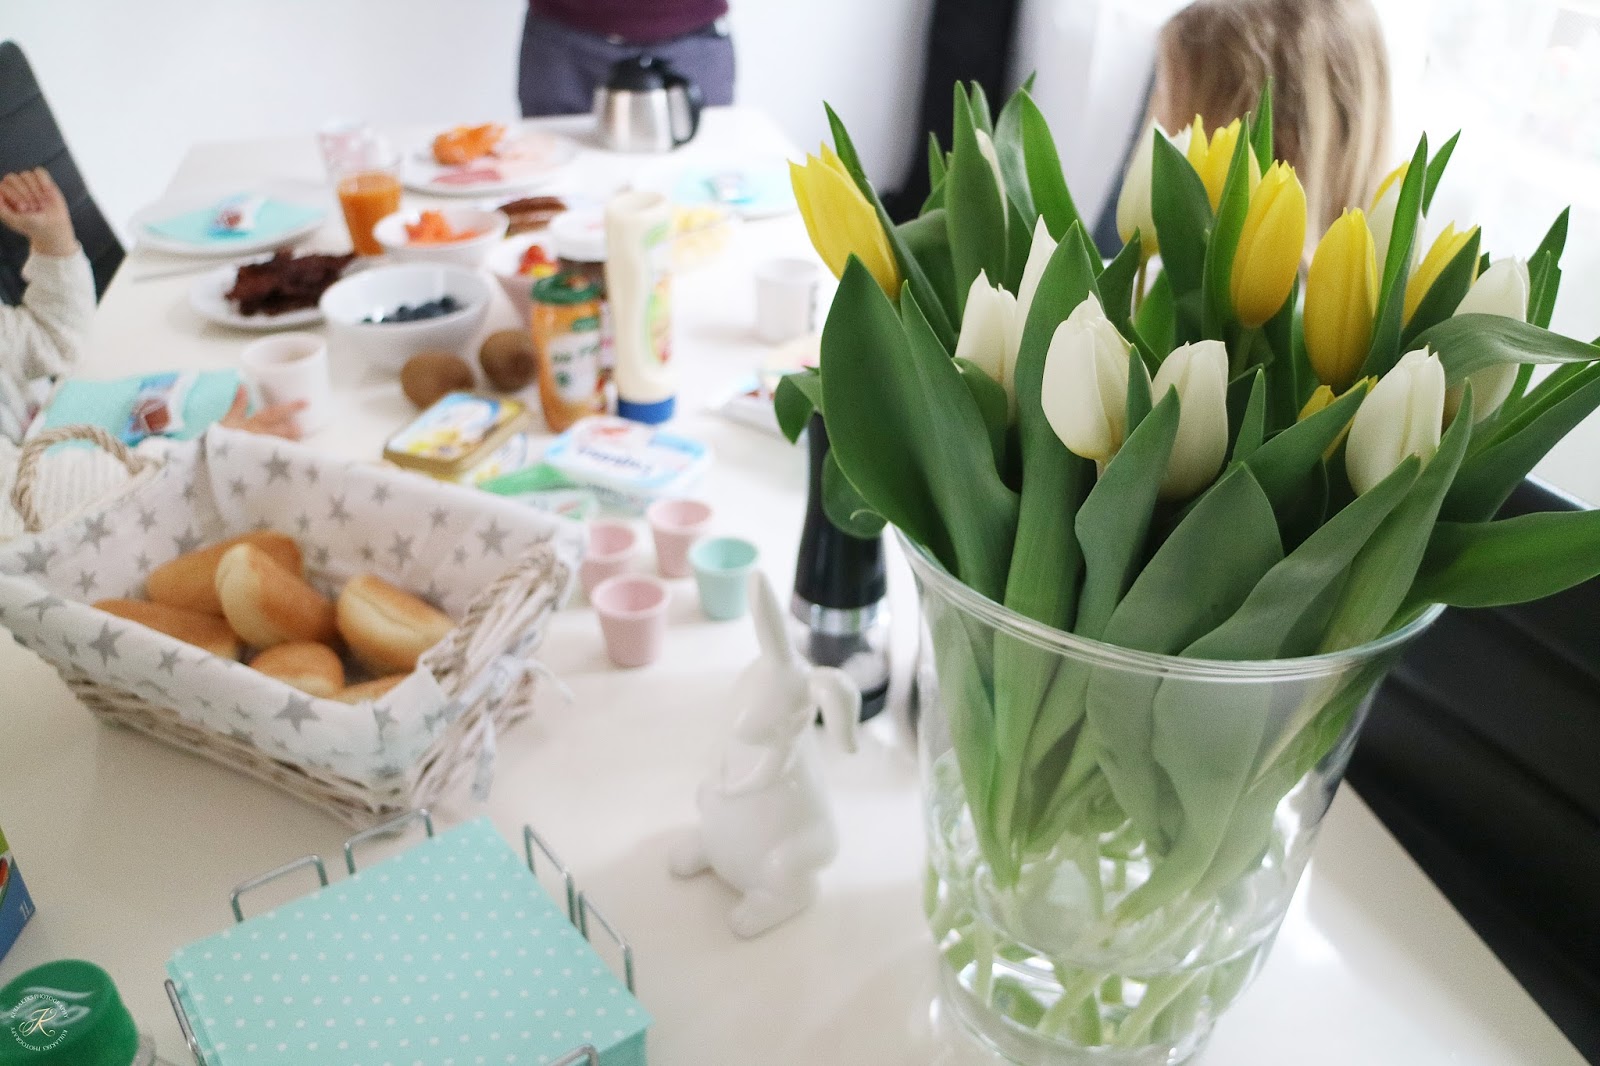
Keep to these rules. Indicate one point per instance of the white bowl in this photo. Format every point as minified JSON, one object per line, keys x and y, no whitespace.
{"x":382,"y":289}
{"x":490,"y":226}
{"x":502,"y":263}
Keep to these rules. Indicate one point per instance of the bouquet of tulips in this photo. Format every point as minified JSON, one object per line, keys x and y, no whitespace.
{"x":1223,"y":458}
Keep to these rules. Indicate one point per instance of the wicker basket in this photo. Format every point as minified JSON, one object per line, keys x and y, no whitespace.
{"x":482,"y":669}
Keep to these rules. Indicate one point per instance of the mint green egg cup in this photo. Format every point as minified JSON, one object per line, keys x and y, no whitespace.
{"x":722,"y":568}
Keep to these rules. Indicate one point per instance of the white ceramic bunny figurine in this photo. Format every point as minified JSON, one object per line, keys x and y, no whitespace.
{"x":765,"y":825}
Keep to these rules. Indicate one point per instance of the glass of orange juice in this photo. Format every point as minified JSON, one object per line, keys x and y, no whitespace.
{"x":366,"y":175}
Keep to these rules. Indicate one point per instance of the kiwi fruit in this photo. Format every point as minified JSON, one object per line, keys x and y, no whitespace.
{"x":428,"y":376}
{"x":507,"y":359}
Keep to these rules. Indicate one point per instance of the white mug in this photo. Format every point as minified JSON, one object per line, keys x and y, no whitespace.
{"x":786,"y":299}
{"x":287,"y":367}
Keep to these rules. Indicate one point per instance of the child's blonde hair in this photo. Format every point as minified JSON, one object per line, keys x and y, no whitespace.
{"x":1330,"y":87}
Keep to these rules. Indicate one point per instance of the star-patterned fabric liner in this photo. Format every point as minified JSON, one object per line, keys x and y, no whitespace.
{"x":450,"y":953}
{"x":442,"y":542}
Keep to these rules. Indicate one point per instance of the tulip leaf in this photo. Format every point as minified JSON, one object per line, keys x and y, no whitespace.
{"x":1047,"y":182}
{"x":1018,"y":244}
{"x":797,"y":396}
{"x":935,"y":160}
{"x":1384,"y":569}
{"x":1469,"y":343}
{"x":1011,"y":150}
{"x":1253,"y":426}
{"x":1444,"y":296}
{"x":1138,"y":402}
{"x":1284,"y":462}
{"x":908,"y":435}
{"x":1261,"y":127}
{"x":927,"y":239}
{"x":1156,"y":320}
{"x":1384,"y":351}
{"x":935,"y":198}
{"x":910,"y":270}
{"x":844,"y":506}
{"x":978,"y":101}
{"x":1544,"y":271}
{"x":1183,"y":218}
{"x":1224,"y":241}
{"x":1285,"y":366}
{"x":1116,"y":284}
{"x":1486,"y":564}
{"x":974,"y":207}
{"x":1489,"y":475}
{"x":1204,"y":570}
{"x":1263,"y":625}
{"x":1115,"y":517}
{"x":1436,"y":165}
{"x":992,"y":405}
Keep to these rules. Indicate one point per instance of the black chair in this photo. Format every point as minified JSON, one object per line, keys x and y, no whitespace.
{"x":29,"y":137}
{"x":1482,"y":757}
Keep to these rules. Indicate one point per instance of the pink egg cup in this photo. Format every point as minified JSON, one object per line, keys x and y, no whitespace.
{"x":676,"y":525}
{"x":611,"y":545}
{"x":633,"y":617}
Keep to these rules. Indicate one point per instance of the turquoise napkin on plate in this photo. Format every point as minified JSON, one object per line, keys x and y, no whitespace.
{"x":108,"y":404}
{"x":451,"y":952}
{"x":194,"y":227}
{"x":765,"y":190}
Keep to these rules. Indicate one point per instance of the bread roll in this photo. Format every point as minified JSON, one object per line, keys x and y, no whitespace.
{"x":190,"y":580}
{"x":308,"y":666}
{"x":370,"y":690}
{"x":267,"y":604}
{"x":386,"y":627}
{"x":203,"y":630}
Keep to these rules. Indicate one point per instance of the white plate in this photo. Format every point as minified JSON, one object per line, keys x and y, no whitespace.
{"x":208,"y":299}
{"x":148,"y":238}
{"x":420,"y":173}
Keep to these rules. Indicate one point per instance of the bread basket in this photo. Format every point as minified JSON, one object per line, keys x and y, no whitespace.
{"x":497,"y":568}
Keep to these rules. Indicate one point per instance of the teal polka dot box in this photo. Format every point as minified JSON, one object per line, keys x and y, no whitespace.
{"x":449,"y":954}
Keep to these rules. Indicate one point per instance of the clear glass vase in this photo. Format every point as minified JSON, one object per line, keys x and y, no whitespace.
{"x":1114,"y":836}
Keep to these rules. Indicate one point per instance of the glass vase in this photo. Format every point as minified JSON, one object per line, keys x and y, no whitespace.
{"x":1114,"y":836}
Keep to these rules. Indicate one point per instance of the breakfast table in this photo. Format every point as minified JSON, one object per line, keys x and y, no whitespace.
{"x":131,"y":848}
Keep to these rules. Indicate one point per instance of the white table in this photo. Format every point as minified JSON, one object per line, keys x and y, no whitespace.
{"x":131,"y":849}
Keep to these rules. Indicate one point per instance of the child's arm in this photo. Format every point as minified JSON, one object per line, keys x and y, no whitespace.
{"x":44,"y":336}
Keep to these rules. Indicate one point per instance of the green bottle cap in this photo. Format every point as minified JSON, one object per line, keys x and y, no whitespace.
{"x":565,"y":288}
{"x":65,"y":1013}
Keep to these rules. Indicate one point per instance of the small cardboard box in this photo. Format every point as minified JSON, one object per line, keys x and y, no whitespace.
{"x":16,"y":906}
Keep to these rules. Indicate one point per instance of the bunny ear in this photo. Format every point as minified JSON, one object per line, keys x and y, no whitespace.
{"x":771,"y":631}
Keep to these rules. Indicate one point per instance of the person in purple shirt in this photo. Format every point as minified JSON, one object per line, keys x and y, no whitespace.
{"x":569,"y":46}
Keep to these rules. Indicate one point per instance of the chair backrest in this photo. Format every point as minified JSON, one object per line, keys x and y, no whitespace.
{"x":1482,"y":756}
{"x":29,"y":137}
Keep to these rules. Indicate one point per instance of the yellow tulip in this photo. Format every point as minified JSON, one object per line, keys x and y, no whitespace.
{"x":1211,"y":159}
{"x":1445,"y":248}
{"x":840,"y":220}
{"x":1341,"y":300}
{"x":1270,"y":245}
{"x":1321,"y":398}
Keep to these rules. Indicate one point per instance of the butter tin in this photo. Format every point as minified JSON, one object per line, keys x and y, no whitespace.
{"x":627,"y":464}
{"x":457,"y":433}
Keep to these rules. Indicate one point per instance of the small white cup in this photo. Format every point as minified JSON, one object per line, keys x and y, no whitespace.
{"x":287,"y":367}
{"x":786,"y":299}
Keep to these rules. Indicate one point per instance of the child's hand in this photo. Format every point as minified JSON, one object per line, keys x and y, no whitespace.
{"x":31,"y":204}
{"x":273,"y":420}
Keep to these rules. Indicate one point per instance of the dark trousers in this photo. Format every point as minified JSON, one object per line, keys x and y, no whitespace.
{"x":561,"y":66}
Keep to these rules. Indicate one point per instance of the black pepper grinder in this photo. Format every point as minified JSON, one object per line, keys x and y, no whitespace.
{"x":840,"y":615}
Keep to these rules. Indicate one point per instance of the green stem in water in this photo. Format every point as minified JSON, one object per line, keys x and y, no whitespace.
{"x":1075,"y":991}
{"x":1158,"y":995}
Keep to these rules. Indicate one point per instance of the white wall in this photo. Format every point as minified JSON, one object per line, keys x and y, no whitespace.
{"x":134,"y":82}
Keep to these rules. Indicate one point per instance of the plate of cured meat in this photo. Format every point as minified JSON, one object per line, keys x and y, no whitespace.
{"x":485,"y":160}
{"x":277,"y":292}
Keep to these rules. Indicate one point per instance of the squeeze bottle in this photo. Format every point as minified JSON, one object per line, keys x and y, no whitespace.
{"x":639,"y":291}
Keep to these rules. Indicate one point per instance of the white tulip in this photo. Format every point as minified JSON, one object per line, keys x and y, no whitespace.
{"x":990,"y":333}
{"x":1039,"y":253}
{"x":1085,"y":388}
{"x":1199,"y":373}
{"x":1402,"y":415}
{"x":1380,"y":220}
{"x":986,"y":149}
{"x":1133,"y":203}
{"x":1501,"y":290}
